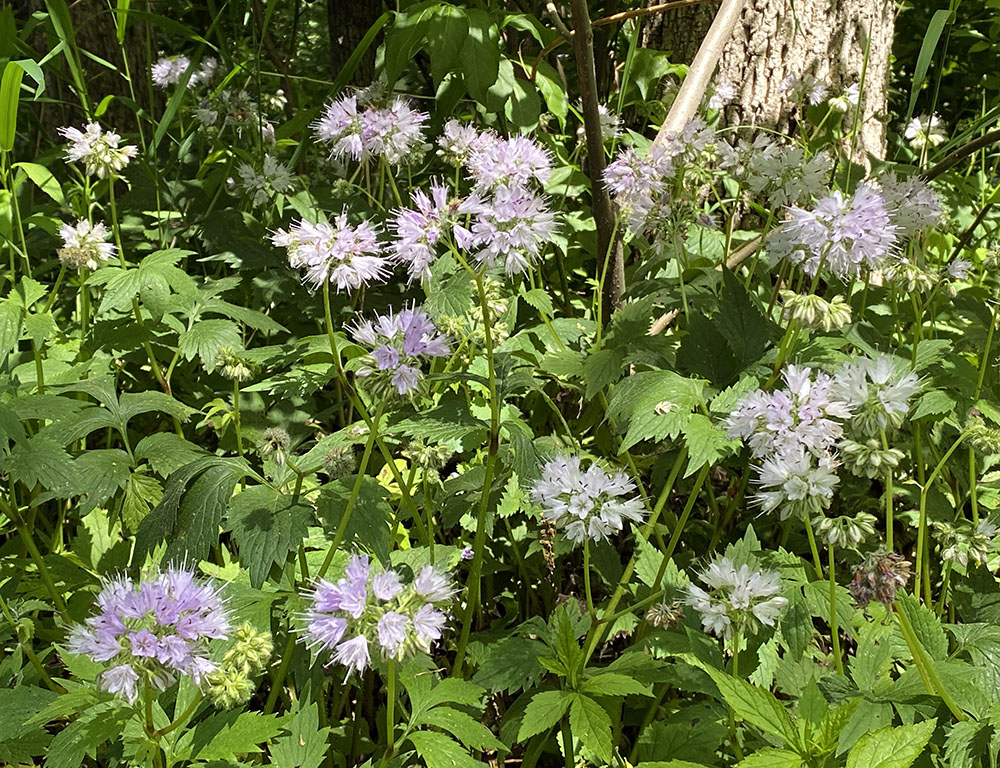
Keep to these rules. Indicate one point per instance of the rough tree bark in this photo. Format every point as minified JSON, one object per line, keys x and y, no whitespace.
{"x":823,"y":38}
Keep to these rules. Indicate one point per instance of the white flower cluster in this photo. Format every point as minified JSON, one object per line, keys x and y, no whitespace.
{"x":85,"y":245}
{"x":586,"y":503}
{"x":97,"y":149}
{"x":168,"y":70}
{"x":737,"y":599}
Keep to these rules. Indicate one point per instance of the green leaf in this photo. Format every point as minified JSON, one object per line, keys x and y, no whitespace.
{"x":741,"y":322}
{"x":166,"y":452}
{"x":510,"y":665}
{"x":934,"y":403}
{"x":891,"y":747}
{"x":926,"y":627}
{"x":40,"y":326}
{"x":449,"y":420}
{"x":755,"y":705}
{"x":19,"y":740}
{"x":43,"y":179}
{"x":960,"y":749}
{"x":41,"y":460}
{"x":446,"y":34}
{"x":550,"y":84}
{"x":771,"y":758}
{"x":479,"y":56}
{"x":613,"y":684}
{"x":655,"y":405}
{"x":267,"y":526}
{"x":706,"y":443}
{"x":82,"y":737}
{"x":368,"y":527}
{"x":135,"y":404}
{"x":405,"y":37}
{"x":102,"y":473}
{"x":228,"y":735}
{"x":935,"y":28}
{"x":543,"y":712}
{"x":142,"y":493}
{"x":590,"y":723}
{"x":472,"y":733}
{"x":10,"y":96}
{"x":439,"y":751}
{"x":305,"y":746}
{"x":206,"y":338}
{"x":539,"y":299}
{"x":191,"y":510}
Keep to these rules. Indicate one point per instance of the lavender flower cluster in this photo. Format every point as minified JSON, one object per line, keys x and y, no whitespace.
{"x":370,"y":614}
{"x":586,"y":503}
{"x":397,"y":343}
{"x":359,"y":131}
{"x":153,"y":631}
{"x":799,"y":433}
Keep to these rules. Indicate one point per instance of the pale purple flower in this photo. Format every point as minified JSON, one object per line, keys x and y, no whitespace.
{"x":97,"y":149}
{"x":376,"y":612}
{"x":847,"y":237}
{"x":169,"y":70}
{"x":925,"y":132}
{"x":513,"y":162}
{"x":347,"y":256}
{"x":467,"y":553}
{"x":419,"y":229}
{"x":392,"y":629}
{"x":393,"y":133}
{"x":353,"y":654}
{"x":158,"y":629}
{"x":428,"y":623}
{"x":432,"y":585}
{"x":458,"y":141}
{"x":514,"y":226}
{"x":724,"y":94}
{"x":878,"y":390}
{"x":796,"y":483}
{"x":386,"y":585}
{"x":85,"y":245}
{"x":121,"y":681}
{"x":398,"y":342}
{"x":959,"y":269}
{"x":804,"y":88}
{"x":586,"y":503}
{"x":805,"y":415}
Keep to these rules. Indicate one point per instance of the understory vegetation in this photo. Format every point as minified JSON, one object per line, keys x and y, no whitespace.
{"x":465,"y":416}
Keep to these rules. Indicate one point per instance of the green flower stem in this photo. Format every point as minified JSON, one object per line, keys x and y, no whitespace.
{"x":675,"y":537}
{"x":371,"y":423}
{"x":36,"y":556}
{"x":182,"y":718}
{"x":28,"y":650}
{"x":922,"y":575}
{"x":834,"y":629}
{"x":888,"y":495}
{"x":474,"y":589}
{"x":817,"y":563}
{"x":733,"y":735}
{"x":150,"y":726}
{"x":924,"y":665}
{"x":586,"y":579}
{"x":280,"y":674}
{"x":596,"y":631}
{"x":55,"y":288}
{"x":567,"y":740}
{"x":345,"y":519}
{"x":390,"y":709}
{"x":236,"y":418}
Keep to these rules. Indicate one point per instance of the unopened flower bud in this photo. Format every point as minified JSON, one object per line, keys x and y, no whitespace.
{"x":275,"y":443}
{"x":228,"y":688}
{"x":339,"y":462}
{"x":879,"y":577}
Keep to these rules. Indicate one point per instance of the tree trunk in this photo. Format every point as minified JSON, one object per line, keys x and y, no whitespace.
{"x":826,"y":39}
{"x":348,"y":21}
